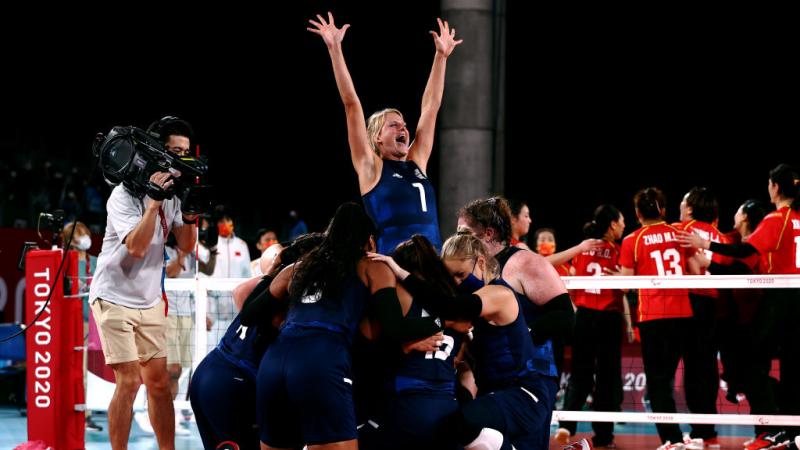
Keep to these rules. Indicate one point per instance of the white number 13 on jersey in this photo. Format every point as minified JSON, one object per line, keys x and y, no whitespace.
{"x":670,"y":256}
{"x":421,"y":196}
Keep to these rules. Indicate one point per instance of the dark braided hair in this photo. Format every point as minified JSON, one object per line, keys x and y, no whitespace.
{"x":603,"y":216}
{"x":325,"y":267}
{"x":418,"y":256}
{"x":755,"y":210}
{"x":703,"y":202}
{"x":650,"y":202}
{"x":787,"y":180}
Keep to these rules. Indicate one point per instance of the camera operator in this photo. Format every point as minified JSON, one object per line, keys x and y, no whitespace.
{"x":127,"y":297}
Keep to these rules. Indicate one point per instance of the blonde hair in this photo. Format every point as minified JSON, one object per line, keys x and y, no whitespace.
{"x":82,"y":230}
{"x":467,"y":246}
{"x":375,"y":124}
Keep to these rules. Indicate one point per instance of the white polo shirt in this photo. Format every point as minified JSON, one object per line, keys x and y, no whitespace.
{"x":120,"y":278}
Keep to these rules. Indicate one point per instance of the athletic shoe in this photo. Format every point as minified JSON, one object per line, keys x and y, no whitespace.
{"x":583,"y":444}
{"x":692,"y":444}
{"x":764,"y":441}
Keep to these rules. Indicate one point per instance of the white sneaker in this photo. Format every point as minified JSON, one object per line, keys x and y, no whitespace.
{"x":692,"y":444}
{"x":670,"y":446}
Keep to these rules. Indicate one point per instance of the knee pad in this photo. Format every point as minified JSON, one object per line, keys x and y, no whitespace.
{"x":488,"y":439}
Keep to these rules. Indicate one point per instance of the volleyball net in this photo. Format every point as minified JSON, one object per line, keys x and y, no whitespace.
{"x":212,"y":310}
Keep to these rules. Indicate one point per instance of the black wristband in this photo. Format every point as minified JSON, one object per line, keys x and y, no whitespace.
{"x":187,"y":222}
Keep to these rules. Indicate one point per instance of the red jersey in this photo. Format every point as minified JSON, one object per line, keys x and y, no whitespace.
{"x":777,"y":239}
{"x":708,"y":232}
{"x":653,"y":250}
{"x":592,"y":263}
{"x":563,"y":269}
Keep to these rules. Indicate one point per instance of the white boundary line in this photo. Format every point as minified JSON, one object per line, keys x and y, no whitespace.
{"x":649,"y":417}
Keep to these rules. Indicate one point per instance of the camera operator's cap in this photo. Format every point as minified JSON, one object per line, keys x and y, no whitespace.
{"x":171,"y":124}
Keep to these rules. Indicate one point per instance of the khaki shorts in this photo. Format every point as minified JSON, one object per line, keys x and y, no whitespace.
{"x":130,"y":334}
{"x":179,"y":340}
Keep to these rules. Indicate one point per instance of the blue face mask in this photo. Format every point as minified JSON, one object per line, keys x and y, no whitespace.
{"x":470,"y":284}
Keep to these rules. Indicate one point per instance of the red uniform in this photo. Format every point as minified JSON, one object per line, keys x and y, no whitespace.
{"x":710,"y":233}
{"x":653,"y":250}
{"x":592,"y":263}
{"x":777,"y":239}
{"x":563,"y":269}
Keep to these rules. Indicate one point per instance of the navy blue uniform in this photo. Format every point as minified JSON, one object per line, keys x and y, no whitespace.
{"x":510,"y":389}
{"x":402,"y":204}
{"x":305,"y":387}
{"x":544,"y":360}
{"x":223,"y":389}
{"x":423,"y":396}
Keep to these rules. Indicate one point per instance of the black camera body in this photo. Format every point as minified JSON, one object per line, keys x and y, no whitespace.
{"x":130,"y":156}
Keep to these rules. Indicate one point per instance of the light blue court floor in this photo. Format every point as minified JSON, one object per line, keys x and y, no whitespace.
{"x":13,"y":431}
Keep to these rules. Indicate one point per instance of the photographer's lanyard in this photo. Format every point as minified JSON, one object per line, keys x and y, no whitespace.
{"x":164,"y":267}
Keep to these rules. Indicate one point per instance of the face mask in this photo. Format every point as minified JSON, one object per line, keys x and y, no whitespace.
{"x":225,"y":229}
{"x":546,"y":248}
{"x":268,"y":244}
{"x":470,"y":284}
{"x":83,"y":243}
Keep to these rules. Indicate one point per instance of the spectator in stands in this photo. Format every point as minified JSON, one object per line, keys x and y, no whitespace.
{"x":266,"y":239}
{"x":233,"y":256}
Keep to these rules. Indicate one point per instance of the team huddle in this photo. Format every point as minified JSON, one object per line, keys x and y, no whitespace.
{"x":459,"y":366}
{"x":378,"y":334}
{"x":369,"y":337}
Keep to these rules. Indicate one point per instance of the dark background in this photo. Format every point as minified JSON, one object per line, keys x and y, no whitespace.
{"x":599,"y":103}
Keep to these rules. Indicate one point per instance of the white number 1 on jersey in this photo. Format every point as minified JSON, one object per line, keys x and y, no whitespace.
{"x":421,"y":196}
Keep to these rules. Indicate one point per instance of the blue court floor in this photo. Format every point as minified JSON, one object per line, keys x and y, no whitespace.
{"x":14,"y":431}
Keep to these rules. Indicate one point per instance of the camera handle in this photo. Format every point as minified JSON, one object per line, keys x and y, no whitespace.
{"x":157,"y":193}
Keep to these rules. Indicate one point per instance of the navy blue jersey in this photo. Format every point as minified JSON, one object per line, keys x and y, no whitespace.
{"x":239,"y":347}
{"x":402,"y":204}
{"x":340,"y":315}
{"x":430,"y":371}
{"x":544,"y":357}
{"x":223,"y":397}
{"x":504,"y":354}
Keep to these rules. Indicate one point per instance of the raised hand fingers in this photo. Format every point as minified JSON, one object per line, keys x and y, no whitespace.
{"x":330,"y":18}
{"x":322,"y":20}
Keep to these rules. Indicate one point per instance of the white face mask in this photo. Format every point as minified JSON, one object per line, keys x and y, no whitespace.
{"x":83,"y":243}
